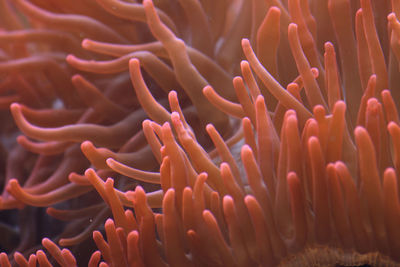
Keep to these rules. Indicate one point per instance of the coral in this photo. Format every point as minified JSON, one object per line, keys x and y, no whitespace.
{"x":237,"y":133}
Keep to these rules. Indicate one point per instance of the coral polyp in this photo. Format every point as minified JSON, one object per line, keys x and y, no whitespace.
{"x":201,"y":133}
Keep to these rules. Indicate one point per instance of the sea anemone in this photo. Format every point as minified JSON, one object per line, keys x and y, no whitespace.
{"x":212,"y":165}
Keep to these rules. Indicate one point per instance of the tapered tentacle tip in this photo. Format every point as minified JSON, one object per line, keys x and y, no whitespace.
{"x":385,"y":93}
{"x":248,"y":200}
{"x":328,"y":46}
{"x":46,"y":242}
{"x":147,"y":2}
{"x":209,"y":127}
{"x":13,"y":183}
{"x":134,"y":62}
{"x":207,"y":90}
{"x":292,"y":27}
{"x":359,"y":130}
{"x":90,"y":171}
{"x":260,"y":101}
{"x":13,"y":187}
{"x":109,"y":223}
{"x":63,"y":242}
{"x":111,"y":163}
{"x":246,"y":151}
{"x":51,"y":210}
{"x":70,"y":58}
{"x":315,"y":72}
{"x":172,"y":93}
{"x":340,"y":104}
{"x":21,"y":139}
{"x":86,"y":144}
{"x":15,"y":107}
{"x":292,"y":177}
{"x":86,"y":43}
{"x":245,"y":43}
{"x":166,"y":126}
{"x":149,"y":7}
{"x":391,"y":125}
{"x":175,"y":117}
{"x":76,"y":78}
{"x":237,"y":79}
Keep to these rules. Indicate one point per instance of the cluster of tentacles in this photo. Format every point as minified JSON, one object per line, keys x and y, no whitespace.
{"x":211,"y":164}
